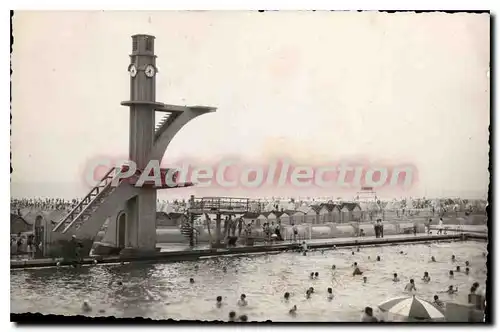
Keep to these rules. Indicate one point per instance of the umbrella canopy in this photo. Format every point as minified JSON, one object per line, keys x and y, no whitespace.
{"x":411,"y":307}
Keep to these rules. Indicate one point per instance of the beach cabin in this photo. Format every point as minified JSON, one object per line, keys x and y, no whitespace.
{"x":329,"y":212}
{"x":336,"y":213}
{"x":356,"y":212}
{"x":311,"y":215}
{"x":299,"y":217}
{"x":295,"y":217}
{"x":261,"y":219}
{"x":324,"y":213}
{"x":350,"y":212}
{"x":19,"y":225}
{"x":284,"y":218}
{"x":370,"y":211}
{"x":248,"y":217}
{"x":273,"y":217}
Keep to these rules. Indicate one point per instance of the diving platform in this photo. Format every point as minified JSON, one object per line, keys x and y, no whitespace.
{"x":223,"y":205}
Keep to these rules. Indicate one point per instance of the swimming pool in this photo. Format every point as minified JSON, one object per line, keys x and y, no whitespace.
{"x":162,"y":291}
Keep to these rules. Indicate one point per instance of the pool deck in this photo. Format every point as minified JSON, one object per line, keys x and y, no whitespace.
{"x":188,"y":254}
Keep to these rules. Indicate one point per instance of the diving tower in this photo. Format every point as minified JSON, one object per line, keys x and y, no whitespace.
{"x":219,"y":206}
{"x":134,"y":206}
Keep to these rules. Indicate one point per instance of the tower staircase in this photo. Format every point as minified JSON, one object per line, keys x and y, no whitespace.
{"x":88,"y":206}
{"x":87,"y":218}
{"x":82,"y":211}
{"x":165,"y":122}
{"x":189,"y":231}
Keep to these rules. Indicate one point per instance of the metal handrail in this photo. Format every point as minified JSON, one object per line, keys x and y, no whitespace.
{"x":83,"y":200}
{"x":99,"y":195}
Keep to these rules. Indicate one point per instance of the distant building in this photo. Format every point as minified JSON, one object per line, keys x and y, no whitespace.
{"x":19,"y":225}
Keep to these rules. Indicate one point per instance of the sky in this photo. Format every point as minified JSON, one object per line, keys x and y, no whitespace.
{"x":317,"y":87}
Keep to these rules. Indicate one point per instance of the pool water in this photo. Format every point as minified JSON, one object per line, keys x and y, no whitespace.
{"x":162,"y":291}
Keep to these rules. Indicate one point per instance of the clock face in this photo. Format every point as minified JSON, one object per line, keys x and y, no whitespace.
{"x":150,"y":71}
{"x":133,"y":70}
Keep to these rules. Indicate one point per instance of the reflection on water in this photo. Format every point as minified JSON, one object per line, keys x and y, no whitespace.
{"x":163,"y":291}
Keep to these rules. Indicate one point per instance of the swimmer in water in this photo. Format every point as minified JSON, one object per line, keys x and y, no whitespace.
{"x":352,"y":253}
{"x":453,"y":258}
{"x":433,"y":259}
{"x":242,"y":302}
{"x":308,"y":294}
{"x":304,"y":246}
{"x":357,"y":249}
{"x":458,"y":269}
{"x":243,"y":318}
{"x":395,"y":279}
{"x":286,"y":296}
{"x":451,"y":274}
{"x":426,"y":278}
{"x":466,"y":263}
{"x":86,"y":306}
{"x":410,"y":286}
{"x":232,"y":316}
{"x":437,"y":301}
{"x":191,"y":280}
{"x":474,"y":287}
{"x":311,"y":290}
{"x":316,"y":275}
{"x":218,"y":303}
{"x":293,"y":311}
{"x":330,"y":294}
{"x":333,"y":267}
{"x":356,"y":271}
{"x":365,"y":279}
{"x":450,"y":290}
{"x":378,"y":258}
{"x":467,"y":271}
{"x":311,"y":276}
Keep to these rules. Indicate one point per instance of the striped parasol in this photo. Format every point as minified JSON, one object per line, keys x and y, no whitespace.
{"x":411,"y":307}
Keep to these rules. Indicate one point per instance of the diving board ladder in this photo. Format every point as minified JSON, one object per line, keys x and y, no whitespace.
{"x":80,"y":213}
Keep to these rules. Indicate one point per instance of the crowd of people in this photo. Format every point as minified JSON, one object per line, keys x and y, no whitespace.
{"x":21,"y":245}
{"x":17,"y":204}
{"x":405,"y":205}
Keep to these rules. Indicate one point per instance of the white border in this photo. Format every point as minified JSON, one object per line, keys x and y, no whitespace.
{"x":183,"y":5}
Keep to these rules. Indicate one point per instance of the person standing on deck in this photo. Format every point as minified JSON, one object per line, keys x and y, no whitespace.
{"x":277,"y":231}
{"x":233,"y":227}
{"x":295,"y":232}
{"x":440,"y":227}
